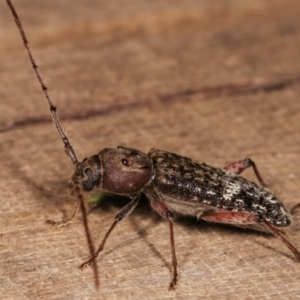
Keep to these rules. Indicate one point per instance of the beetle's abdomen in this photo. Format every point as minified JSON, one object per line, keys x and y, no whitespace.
{"x":208,"y":187}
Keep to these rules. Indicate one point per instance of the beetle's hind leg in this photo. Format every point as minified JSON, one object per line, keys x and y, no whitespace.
{"x":241,"y":165}
{"x":277,"y":233}
{"x":240,"y":218}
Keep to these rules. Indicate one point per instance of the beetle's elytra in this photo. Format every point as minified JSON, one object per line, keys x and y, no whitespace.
{"x":172,"y":183}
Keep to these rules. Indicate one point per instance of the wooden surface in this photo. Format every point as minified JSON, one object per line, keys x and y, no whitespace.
{"x":216,"y":81}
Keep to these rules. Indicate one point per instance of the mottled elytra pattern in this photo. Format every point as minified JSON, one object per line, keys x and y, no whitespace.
{"x":197,"y":183}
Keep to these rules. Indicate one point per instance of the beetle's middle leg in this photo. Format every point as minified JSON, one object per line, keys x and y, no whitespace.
{"x":164,"y":211}
{"x":241,"y":165}
{"x":240,"y":218}
{"x":125,"y":212}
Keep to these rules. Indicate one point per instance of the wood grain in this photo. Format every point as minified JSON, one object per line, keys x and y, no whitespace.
{"x":216,"y":81}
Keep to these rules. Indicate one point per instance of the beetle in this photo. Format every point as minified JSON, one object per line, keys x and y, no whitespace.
{"x":177,"y":184}
{"x":172,"y":183}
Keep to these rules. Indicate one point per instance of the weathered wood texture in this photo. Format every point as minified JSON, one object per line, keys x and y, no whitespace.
{"x":217,"y":81}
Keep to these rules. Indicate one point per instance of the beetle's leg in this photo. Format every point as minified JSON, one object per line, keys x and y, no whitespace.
{"x":125,"y":211}
{"x":164,"y":211}
{"x":277,"y":233}
{"x":240,"y":218}
{"x":241,"y":165}
{"x":66,"y":222}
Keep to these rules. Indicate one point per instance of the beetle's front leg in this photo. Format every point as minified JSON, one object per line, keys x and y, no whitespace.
{"x":241,"y":165}
{"x":125,"y":212}
{"x":236,"y":218}
{"x":164,"y":211}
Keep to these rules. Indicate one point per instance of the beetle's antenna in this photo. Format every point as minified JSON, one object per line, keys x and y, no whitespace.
{"x":67,"y":145}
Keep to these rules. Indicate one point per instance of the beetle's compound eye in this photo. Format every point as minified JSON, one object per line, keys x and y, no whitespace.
{"x":88,"y":184}
{"x":125,"y":162}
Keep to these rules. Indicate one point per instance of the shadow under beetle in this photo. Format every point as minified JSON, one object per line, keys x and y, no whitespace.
{"x":172,"y":183}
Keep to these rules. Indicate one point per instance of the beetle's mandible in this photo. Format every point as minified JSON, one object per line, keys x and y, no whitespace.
{"x":172,"y":183}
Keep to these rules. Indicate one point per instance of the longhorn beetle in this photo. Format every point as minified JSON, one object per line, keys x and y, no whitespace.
{"x":172,"y":183}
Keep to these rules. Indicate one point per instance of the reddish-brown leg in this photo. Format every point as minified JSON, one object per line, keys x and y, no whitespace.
{"x":125,"y":212}
{"x":231,"y":217}
{"x":241,"y":165}
{"x":164,"y":211}
{"x":277,"y":233}
{"x":240,"y":218}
